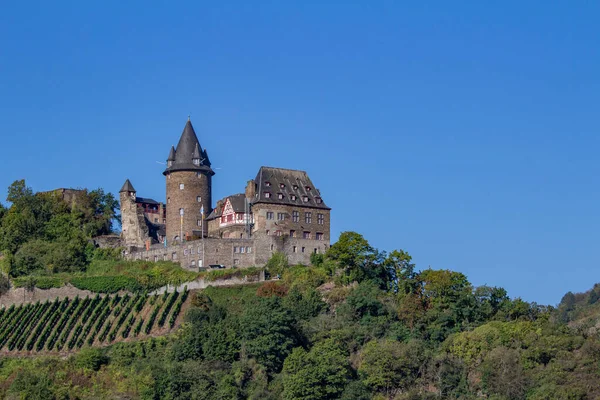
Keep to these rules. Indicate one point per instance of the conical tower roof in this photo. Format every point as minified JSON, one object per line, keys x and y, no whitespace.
{"x":171,"y":154}
{"x":127,"y":187}
{"x":186,"y":150}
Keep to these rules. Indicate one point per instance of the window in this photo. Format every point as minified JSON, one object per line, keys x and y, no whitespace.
{"x":193,"y":263}
{"x":308,"y":217}
{"x":305,"y":199}
{"x":280,"y":216}
{"x":295,"y":216}
{"x":181,"y":186}
{"x":242,"y":249}
{"x":306,"y":235}
{"x":267,"y":195}
{"x":199,"y":222}
{"x":316,"y":251}
{"x":295,"y":187}
{"x":185,"y":252}
{"x":164,"y":220}
{"x":319,"y":200}
{"x":225,"y":236}
{"x":198,"y":174}
{"x":292,"y":233}
{"x":278,"y":233}
{"x":236,"y":261}
{"x":235,"y":249}
{"x":319,"y":236}
{"x":268,"y":184}
{"x":155,"y":258}
{"x":181,"y":211}
{"x":174,"y":256}
{"x":308,"y":188}
{"x":156,"y":220}
{"x":230,"y":218}
{"x":303,"y":249}
{"x":280,"y":196}
{"x":248,"y":250}
{"x":293,"y":197}
{"x":269,"y":214}
{"x":168,"y":200}
{"x":196,"y":161}
{"x":281,"y":185}
{"x":268,"y":232}
{"x":169,"y":163}
{"x":199,"y":249}
{"x":198,"y":199}
{"x":192,"y":251}
{"x":295,"y":249}
{"x":320,"y":219}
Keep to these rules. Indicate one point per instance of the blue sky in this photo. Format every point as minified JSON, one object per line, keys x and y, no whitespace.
{"x":463,"y":132}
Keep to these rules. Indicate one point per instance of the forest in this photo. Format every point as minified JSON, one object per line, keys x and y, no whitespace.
{"x":358,"y":323}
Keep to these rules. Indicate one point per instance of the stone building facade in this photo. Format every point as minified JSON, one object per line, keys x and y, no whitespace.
{"x":280,"y":210}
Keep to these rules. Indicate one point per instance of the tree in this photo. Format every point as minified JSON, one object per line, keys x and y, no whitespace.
{"x":402,"y":272}
{"x":359,"y":259}
{"x":267,"y":333}
{"x":320,"y":373}
{"x":388,"y":366}
{"x":502,"y":374}
{"x":277,"y":264}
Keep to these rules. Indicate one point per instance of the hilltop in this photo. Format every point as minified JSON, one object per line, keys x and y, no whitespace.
{"x":357,"y":323}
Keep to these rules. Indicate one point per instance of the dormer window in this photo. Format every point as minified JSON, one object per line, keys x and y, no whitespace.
{"x":267,"y":195}
{"x":196,"y":161}
{"x":281,"y":185}
{"x":280,"y":196}
{"x":293,"y":197}
{"x":305,"y":199}
{"x":267,"y":184}
{"x":308,"y":188}
{"x":295,"y":187}
{"x":319,"y":200}
{"x":169,"y":164}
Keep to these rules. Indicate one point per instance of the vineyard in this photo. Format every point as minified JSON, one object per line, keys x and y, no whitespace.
{"x":69,"y":324}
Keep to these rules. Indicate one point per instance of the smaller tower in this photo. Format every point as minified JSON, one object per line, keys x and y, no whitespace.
{"x":133,"y":228}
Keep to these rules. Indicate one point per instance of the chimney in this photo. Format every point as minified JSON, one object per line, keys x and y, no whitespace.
{"x":250,"y":190}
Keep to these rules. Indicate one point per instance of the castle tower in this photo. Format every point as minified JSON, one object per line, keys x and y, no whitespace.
{"x":133,"y":228}
{"x":189,"y":187}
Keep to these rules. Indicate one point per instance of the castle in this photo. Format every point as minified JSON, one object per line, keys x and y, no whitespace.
{"x":279,"y":210}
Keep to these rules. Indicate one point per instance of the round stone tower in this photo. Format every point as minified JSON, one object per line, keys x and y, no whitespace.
{"x":189,"y":188}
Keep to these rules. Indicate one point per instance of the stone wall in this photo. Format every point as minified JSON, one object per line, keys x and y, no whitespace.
{"x":228,"y":252}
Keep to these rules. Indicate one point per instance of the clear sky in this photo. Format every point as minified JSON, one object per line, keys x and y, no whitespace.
{"x":466,"y":133}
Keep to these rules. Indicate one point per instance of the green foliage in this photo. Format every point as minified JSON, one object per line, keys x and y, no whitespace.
{"x":91,"y":359}
{"x":277,"y":264}
{"x":106,"y":284}
{"x":320,"y":373}
{"x":46,"y":234}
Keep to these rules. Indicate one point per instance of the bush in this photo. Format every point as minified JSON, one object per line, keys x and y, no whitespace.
{"x":277,"y":263}
{"x":106,"y":284}
{"x":91,"y":359}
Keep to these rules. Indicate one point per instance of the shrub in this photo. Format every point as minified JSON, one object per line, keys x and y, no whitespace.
{"x":106,"y":284}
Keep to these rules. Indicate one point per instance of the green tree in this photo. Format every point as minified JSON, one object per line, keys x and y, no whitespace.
{"x":359,"y":260}
{"x":502,"y":374}
{"x":320,"y":373}
{"x":277,"y":264}
{"x":388,"y":366}
{"x":402,"y":272}
{"x":268,"y":334}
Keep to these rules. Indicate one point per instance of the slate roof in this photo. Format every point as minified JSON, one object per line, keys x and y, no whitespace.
{"x":127,"y":187}
{"x":238,"y":202}
{"x":295,"y":183}
{"x":188,"y":147}
{"x":146,"y":200}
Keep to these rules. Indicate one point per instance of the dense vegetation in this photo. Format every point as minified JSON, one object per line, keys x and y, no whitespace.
{"x":42,"y":233}
{"x":357,"y":324}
